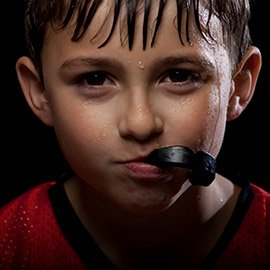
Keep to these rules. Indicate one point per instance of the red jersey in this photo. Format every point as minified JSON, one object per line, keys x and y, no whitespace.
{"x":30,"y":237}
{"x":36,"y":233}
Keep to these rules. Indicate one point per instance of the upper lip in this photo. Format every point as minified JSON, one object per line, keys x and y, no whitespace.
{"x":138,"y":158}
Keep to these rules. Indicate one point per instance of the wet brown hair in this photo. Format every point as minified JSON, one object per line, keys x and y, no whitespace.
{"x":234,"y":16}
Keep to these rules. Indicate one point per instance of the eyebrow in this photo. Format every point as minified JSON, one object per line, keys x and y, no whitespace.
{"x":172,"y":60}
{"x":180,"y":59}
{"x":88,"y":62}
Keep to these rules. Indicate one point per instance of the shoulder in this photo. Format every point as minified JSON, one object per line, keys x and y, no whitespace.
{"x":24,"y":213}
{"x":30,"y":236}
{"x":260,"y":192}
{"x":253,"y":236}
{"x":258,"y":214}
{"x":249,"y":247}
{"x":261,"y":200}
{"x":27,"y":209}
{"x":27,"y":203}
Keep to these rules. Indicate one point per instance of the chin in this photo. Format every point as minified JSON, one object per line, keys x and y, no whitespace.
{"x":147,"y":204}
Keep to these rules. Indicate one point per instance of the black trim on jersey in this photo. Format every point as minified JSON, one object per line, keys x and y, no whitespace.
{"x":75,"y":232}
{"x":245,"y":198}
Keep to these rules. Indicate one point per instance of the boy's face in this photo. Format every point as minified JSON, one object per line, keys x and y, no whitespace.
{"x":111,"y":106}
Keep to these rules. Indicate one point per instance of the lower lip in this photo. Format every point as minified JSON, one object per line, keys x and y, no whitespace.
{"x":143,"y":170}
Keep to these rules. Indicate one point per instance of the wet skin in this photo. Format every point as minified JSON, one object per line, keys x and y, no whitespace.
{"x":111,"y":106}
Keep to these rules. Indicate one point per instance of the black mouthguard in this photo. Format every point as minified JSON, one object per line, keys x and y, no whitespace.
{"x":202,"y":165}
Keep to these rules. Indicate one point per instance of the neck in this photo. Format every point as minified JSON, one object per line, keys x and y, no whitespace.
{"x":190,"y":227}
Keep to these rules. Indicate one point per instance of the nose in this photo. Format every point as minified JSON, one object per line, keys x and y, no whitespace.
{"x":140,"y":120}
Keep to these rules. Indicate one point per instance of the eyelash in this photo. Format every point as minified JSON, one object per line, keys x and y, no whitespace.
{"x":183,"y":78}
{"x":174,"y":80}
{"x":94,"y":84}
{"x":94,"y":79}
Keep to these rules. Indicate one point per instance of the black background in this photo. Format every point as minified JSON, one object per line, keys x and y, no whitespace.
{"x":30,"y":155}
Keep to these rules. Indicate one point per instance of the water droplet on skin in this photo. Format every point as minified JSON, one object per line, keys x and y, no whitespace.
{"x":103,"y":136}
{"x":140,"y":65}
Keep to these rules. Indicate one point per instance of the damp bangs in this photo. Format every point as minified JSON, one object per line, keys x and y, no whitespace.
{"x":84,"y":12}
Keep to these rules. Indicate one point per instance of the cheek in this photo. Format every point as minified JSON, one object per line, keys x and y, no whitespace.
{"x":214,"y":125}
{"x":214,"y":122}
{"x":198,"y":122}
{"x":83,"y":133}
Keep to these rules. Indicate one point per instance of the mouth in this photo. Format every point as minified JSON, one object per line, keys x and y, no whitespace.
{"x":202,"y":165}
{"x":158,"y":163}
{"x":143,"y":171}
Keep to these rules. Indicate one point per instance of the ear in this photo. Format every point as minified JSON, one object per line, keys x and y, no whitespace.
{"x":33,"y":89}
{"x":244,"y":82}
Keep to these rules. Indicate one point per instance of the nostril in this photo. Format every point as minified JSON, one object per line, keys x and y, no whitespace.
{"x":141,"y":124}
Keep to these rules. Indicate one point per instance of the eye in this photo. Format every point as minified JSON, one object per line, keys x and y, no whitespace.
{"x":95,"y":78}
{"x":181,"y":80}
{"x":95,"y":84}
{"x":181,"y":76}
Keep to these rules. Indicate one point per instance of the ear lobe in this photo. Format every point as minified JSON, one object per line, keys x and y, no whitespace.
{"x":33,"y":89}
{"x":244,"y":82}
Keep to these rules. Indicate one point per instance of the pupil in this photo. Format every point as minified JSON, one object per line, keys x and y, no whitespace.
{"x":177,"y":76}
{"x":96,"y":78}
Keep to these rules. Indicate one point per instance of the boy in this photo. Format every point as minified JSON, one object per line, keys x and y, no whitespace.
{"x":117,"y":80}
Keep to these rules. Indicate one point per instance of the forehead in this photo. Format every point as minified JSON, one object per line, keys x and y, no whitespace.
{"x":59,"y":47}
{"x":59,"y":50}
{"x":135,"y":18}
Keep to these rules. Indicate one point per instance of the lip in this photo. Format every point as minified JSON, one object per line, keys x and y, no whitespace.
{"x":142,"y":170}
